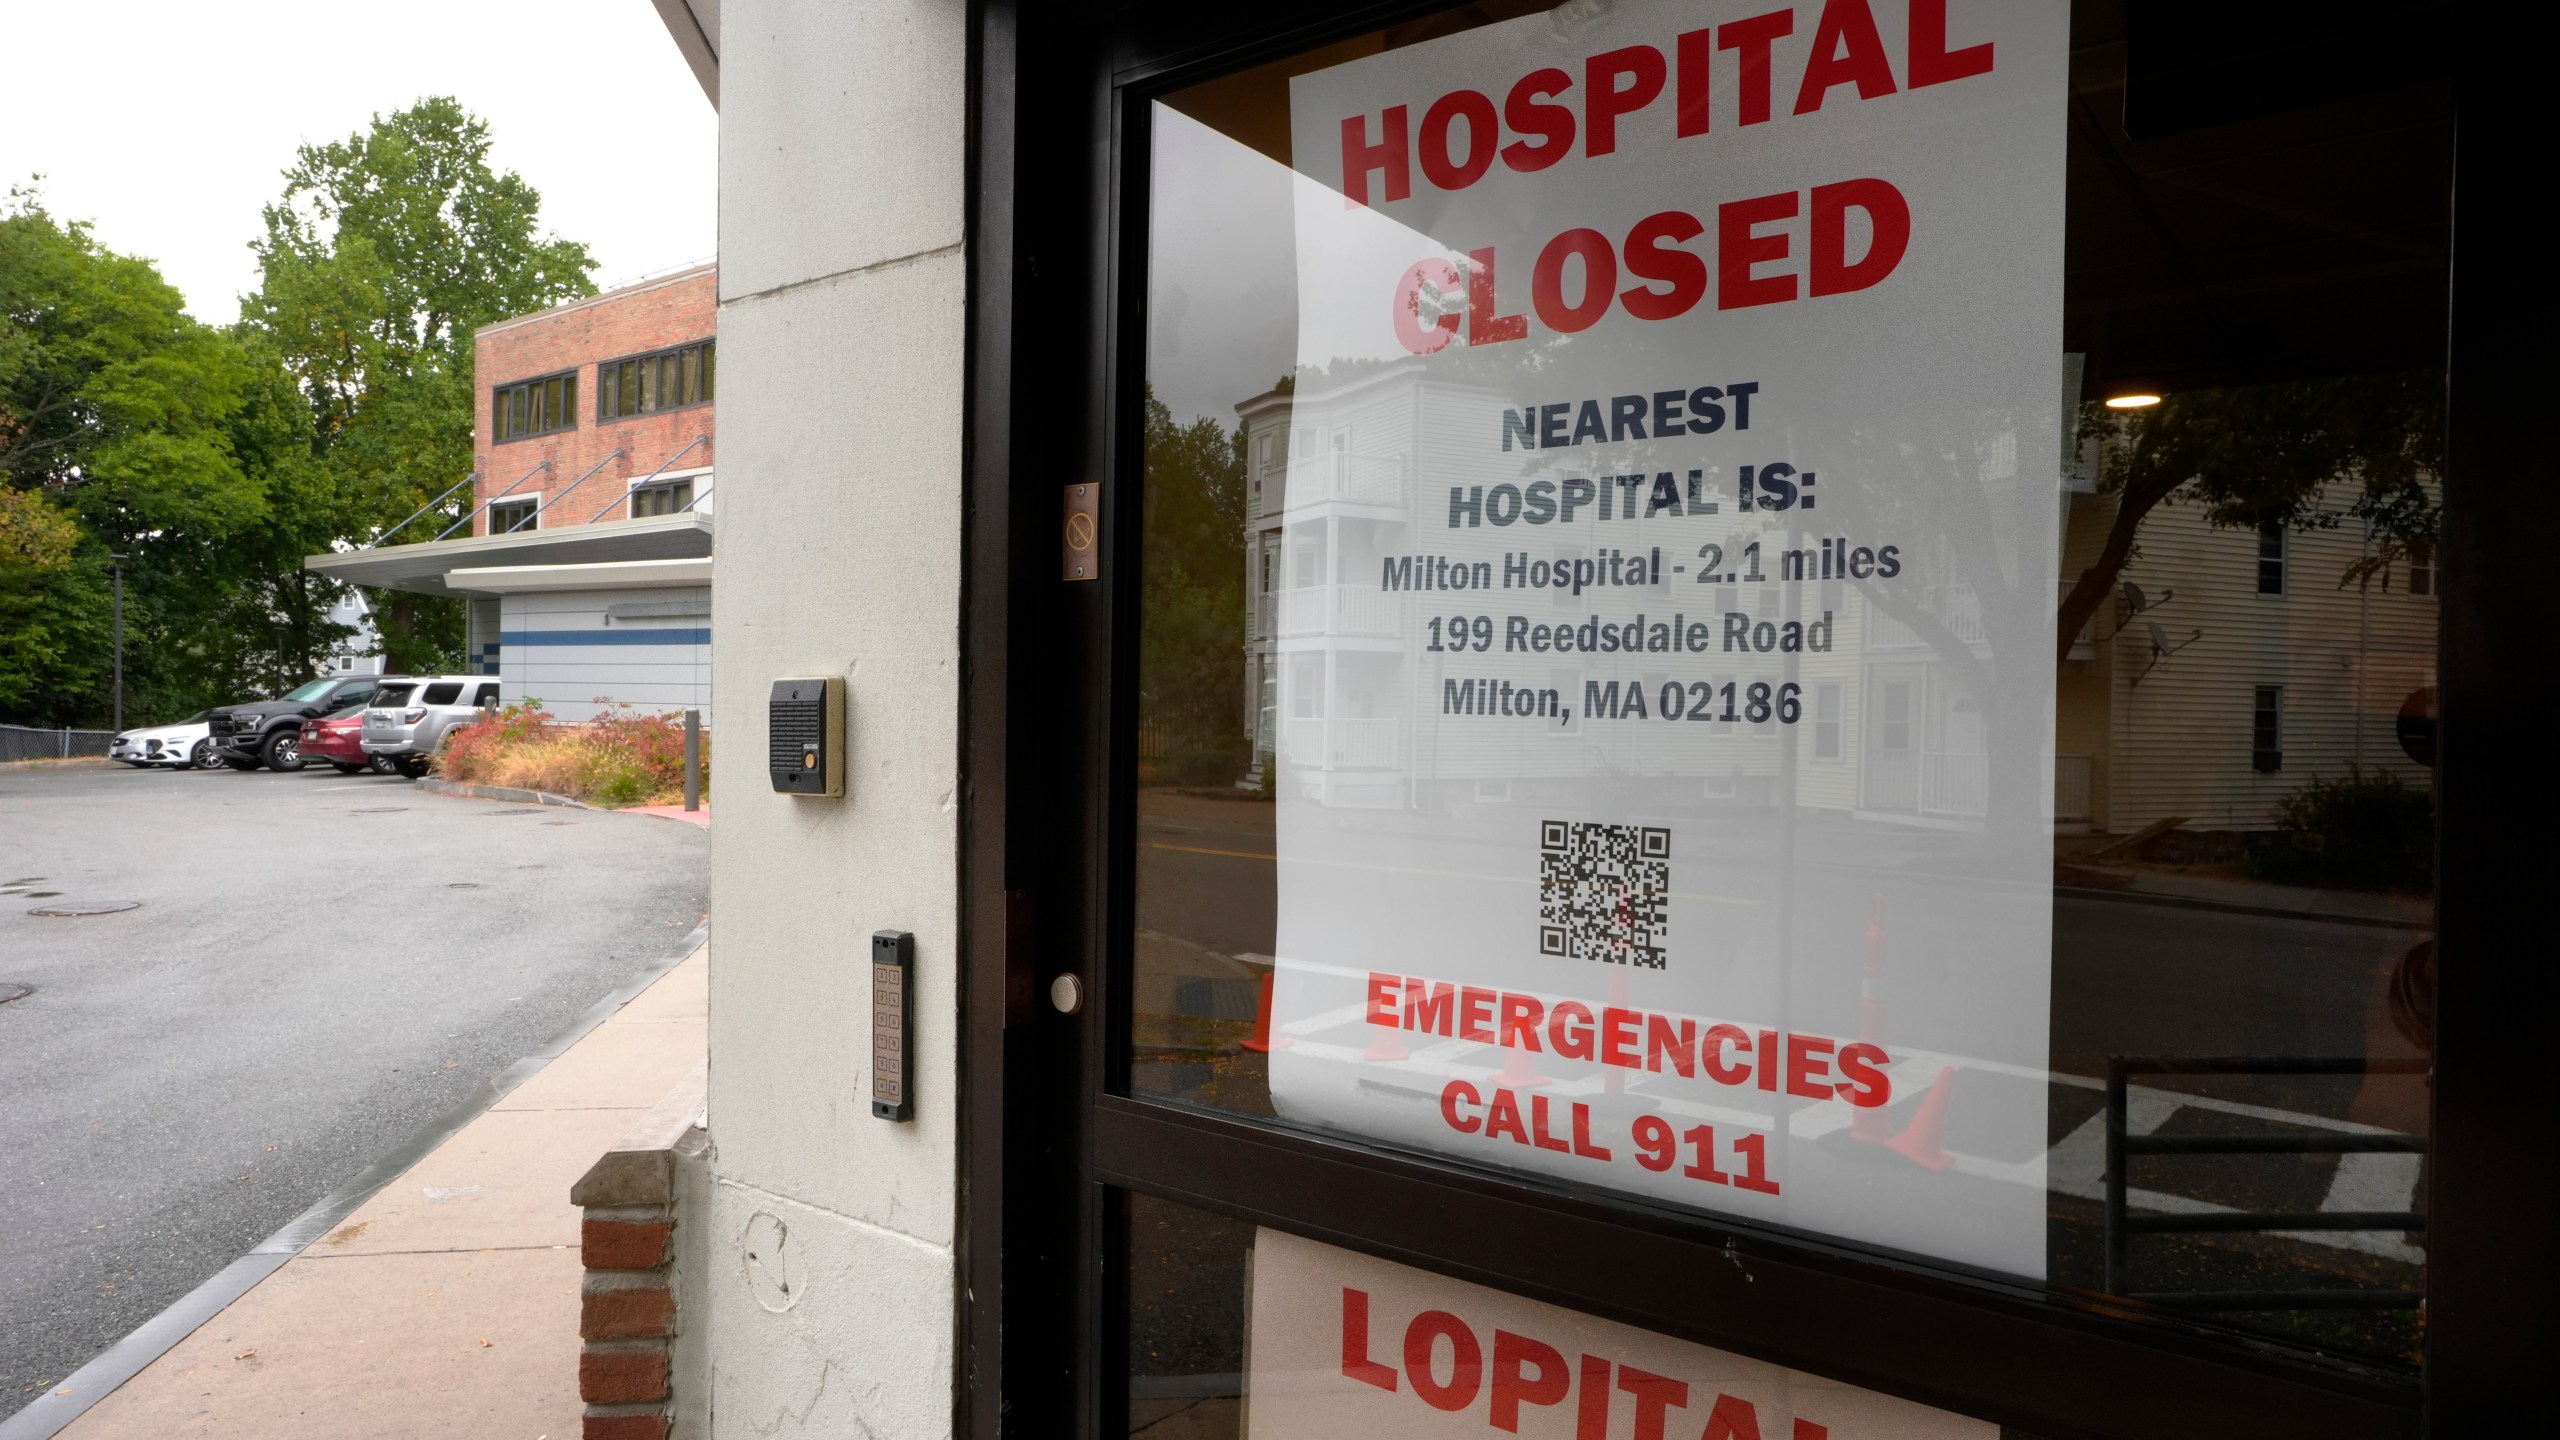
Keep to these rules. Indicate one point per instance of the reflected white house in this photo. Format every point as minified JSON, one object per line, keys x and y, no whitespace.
{"x":1351,"y":696}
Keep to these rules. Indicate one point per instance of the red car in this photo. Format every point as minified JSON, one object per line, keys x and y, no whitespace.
{"x":339,"y":739}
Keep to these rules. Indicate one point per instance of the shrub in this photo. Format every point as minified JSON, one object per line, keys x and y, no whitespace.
{"x":619,"y":758}
{"x":1218,"y":760}
{"x":2363,"y":832}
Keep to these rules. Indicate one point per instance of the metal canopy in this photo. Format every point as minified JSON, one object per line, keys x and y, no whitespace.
{"x":421,"y":569}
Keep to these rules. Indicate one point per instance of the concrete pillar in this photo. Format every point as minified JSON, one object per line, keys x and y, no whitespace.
{"x":842,"y":287}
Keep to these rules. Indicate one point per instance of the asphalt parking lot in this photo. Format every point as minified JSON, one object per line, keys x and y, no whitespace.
{"x":318,"y":966}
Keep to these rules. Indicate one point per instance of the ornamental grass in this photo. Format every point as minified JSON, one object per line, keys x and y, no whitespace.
{"x":620,"y":758}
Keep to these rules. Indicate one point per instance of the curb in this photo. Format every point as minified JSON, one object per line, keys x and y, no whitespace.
{"x":2227,"y":907}
{"x":493,"y":792}
{"x":70,"y":1397}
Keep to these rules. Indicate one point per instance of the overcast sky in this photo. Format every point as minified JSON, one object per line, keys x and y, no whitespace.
{"x":168,"y":124}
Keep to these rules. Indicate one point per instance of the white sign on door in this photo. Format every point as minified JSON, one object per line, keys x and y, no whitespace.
{"x":1342,"y":1344}
{"x":1666,"y":737}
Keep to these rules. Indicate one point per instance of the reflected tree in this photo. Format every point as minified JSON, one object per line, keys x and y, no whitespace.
{"x":2264,"y":455}
{"x":1192,"y":626}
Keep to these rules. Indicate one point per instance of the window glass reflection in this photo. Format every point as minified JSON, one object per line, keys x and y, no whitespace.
{"x":2238,"y":625}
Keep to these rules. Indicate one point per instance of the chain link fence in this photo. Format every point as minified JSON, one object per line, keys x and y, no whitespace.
{"x":18,"y":742}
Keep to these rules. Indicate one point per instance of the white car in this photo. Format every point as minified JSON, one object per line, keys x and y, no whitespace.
{"x":189,"y":743}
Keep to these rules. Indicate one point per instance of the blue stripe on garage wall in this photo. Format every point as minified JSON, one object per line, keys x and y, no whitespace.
{"x":635,"y":635}
{"x":564,"y":647}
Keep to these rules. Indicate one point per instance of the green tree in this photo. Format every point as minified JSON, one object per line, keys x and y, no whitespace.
{"x":126,"y":428}
{"x":1191,"y":641}
{"x":38,"y":544}
{"x":385,"y":251}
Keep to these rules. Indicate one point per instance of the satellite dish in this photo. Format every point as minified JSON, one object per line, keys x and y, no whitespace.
{"x":2161,"y":649}
{"x":2135,"y":603}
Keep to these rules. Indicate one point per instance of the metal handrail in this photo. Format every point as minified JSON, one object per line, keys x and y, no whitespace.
{"x":423,"y":509}
{"x":2120,"y":1226}
{"x":465,"y":522}
{"x":645,"y":479}
{"x":577,"y":482}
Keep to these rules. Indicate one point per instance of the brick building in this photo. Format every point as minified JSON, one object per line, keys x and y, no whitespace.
{"x":597,"y":410}
{"x":586,"y":553}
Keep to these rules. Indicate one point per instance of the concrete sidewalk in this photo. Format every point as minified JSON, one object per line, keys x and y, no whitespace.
{"x":447,"y":1304}
{"x":701,"y":817}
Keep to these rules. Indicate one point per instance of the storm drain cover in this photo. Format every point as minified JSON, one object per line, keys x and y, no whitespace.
{"x":70,"y":908}
{"x":379,"y":810}
{"x":535,"y":811}
{"x":14,"y":992}
{"x":462,"y":885}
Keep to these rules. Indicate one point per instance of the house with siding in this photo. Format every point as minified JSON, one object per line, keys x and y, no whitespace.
{"x":2255,"y":665}
{"x":585,"y":553}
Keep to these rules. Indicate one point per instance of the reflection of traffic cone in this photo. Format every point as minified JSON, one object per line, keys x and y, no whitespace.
{"x":1868,"y":1123}
{"x":1263,"y":1042}
{"x":1519,"y":1072}
{"x":1386,"y":1047}
{"x":1919,"y":1140}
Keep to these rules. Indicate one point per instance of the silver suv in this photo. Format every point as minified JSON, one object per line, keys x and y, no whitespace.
{"x":411,"y":714}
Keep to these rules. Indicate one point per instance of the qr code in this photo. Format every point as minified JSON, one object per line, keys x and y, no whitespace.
{"x":1604,"y":892}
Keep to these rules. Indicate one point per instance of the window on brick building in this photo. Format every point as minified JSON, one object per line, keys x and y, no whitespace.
{"x":666,"y":499}
{"x":535,"y":407}
{"x":508,"y":516}
{"x":659,"y":381}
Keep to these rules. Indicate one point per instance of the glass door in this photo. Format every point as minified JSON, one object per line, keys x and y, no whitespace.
{"x":1692,"y":836}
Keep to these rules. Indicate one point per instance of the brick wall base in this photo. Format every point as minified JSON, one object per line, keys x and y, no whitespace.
{"x":627,"y":1314}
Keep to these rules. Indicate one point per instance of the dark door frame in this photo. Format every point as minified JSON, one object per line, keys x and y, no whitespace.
{"x":1055,"y":238}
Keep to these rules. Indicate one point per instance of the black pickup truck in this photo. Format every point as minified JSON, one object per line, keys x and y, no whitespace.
{"x":269,"y":732}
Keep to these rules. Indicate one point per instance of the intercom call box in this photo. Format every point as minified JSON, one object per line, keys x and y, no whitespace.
{"x":893,"y":968}
{"x":806,"y":727}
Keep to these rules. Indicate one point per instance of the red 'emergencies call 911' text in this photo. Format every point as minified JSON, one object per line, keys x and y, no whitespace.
{"x":1807,"y":1067}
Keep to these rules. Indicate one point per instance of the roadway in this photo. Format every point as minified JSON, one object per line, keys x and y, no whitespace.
{"x":319,"y":967}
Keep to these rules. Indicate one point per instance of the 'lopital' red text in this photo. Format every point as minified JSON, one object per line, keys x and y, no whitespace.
{"x":1447,"y":1363}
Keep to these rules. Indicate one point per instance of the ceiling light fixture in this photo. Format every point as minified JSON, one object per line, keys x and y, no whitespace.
{"x":2131,"y":402}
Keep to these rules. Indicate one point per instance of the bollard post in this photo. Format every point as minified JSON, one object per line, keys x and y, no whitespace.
{"x":692,"y":761}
